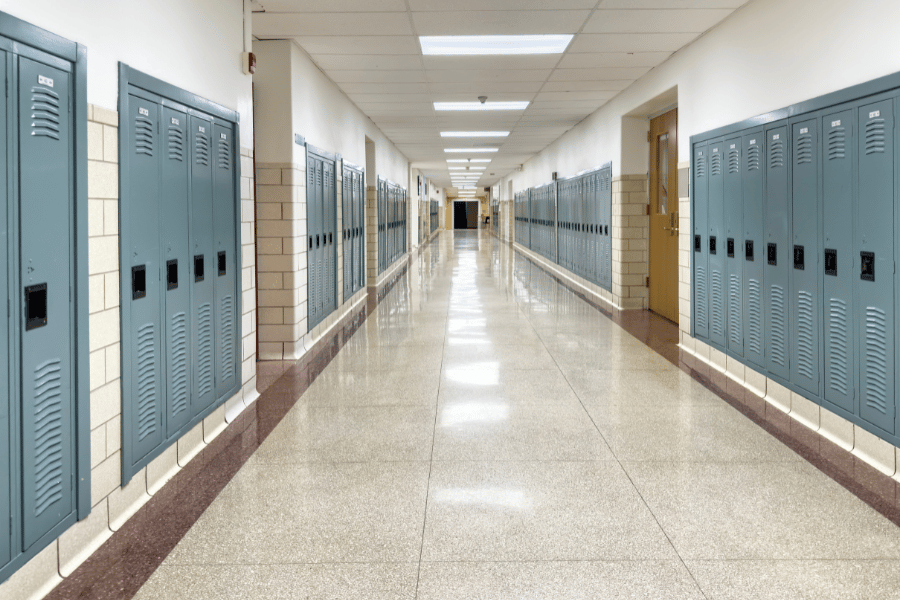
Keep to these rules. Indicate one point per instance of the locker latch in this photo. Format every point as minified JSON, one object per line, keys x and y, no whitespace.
{"x":172,"y":274}
{"x":712,"y":244}
{"x":799,"y":262}
{"x":139,"y":282}
{"x":223,"y":264}
{"x":198,"y":267}
{"x":730,"y":243}
{"x":35,"y":306}
{"x":831,"y":262}
{"x":698,"y":244}
{"x":748,"y":250}
{"x":867,"y":266}
{"x":773,"y":254}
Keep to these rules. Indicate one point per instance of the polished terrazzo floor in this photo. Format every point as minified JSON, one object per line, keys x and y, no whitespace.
{"x":487,"y":434}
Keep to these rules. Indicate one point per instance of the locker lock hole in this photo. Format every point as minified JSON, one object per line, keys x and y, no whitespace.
{"x":35,"y":306}
{"x":730,"y":247}
{"x":831,"y":262}
{"x":198,"y":267}
{"x":138,"y":282}
{"x":799,"y":261}
{"x":698,"y":244}
{"x":748,"y":250}
{"x":223,"y":264}
{"x":773,"y":254}
{"x":172,"y":274}
{"x":867,"y":266}
{"x":712,"y":244}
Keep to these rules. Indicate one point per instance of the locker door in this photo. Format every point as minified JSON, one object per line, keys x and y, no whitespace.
{"x":717,"y":306}
{"x":805,"y":302}
{"x":700,"y":221}
{"x":174,"y":260}
{"x":146,"y":394}
{"x":224,"y":219}
{"x":312,"y":225}
{"x":752,"y":248}
{"x":5,"y":431}
{"x":346,"y":233}
{"x":839,"y":146}
{"x":329,"y":198}
{"x":776,"y":254}
{"x":203,"y":264}
{"x":361,"y":231}
{"x":875,"y":244}
{"x":46,"y":203}
{"x":733,"y":259}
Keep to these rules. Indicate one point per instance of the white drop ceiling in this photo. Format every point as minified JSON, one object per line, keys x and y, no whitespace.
{"x":370,"y":49}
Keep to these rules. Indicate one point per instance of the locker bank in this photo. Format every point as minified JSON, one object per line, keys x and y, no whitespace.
{"x":248,"y":353}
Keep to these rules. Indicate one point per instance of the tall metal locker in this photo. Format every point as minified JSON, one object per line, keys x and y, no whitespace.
{"x":347,"y":233}
{"x":805,"y":296}
{"x":753,"y":215}
{"x":734,"y":272}
{"x":874,"y":241}
{"x":146,"y":393}
{"x":203,"y":280}
{"x":45,"y":273}
{"x":838,"y":159}
{"x":6,"y":434}
{"x":700,"y":222}
{"x":359,"y":220}
{"x":314,"y":191}
{"x":606,"y":213}
{"x":716,"y":227}
{"x":330,"y":222}
{"x":176,"y":249}
{"x":777,"y":255}
{"x":224,"y":227}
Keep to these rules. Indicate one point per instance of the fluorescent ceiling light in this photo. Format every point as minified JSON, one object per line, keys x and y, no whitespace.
{"x":473,"y":150}
{"x":480,"y":106}
{"x":468,"y":160}
{"x":466,"y":168}
{"x":466,"y":134}
{"x":473,"y":45}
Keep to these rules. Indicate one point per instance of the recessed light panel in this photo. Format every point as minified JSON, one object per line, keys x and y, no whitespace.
{"x":477,"y":45}
{"x":466,"y":160}
{"x":480,"y":106}
{"x":466,"y":168}
{"x":473,"y":134}
{"x":472,"y":150}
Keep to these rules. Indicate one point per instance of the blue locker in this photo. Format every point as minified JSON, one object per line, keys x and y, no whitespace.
{"x":838,"y":158}
{"x":361,"y":231}
{"x":776,"y":255}
{"x":314,"y":232}
{"x":6,"y":433}
{"x":700,"y":243}
{"x":46,"y":201}
{"x":716,"y":228}
{"x":145,"y":397}
{"x":734,"y":260}
{"x":329,"y":247}
{"x":227,"y":263}
{"x":174,"y":261}
{"x":805,"y":297}
{"x":752,"y":250}
{"x":874,"y":241}
{"x":346,"y":231}
{"x":203,"y":264}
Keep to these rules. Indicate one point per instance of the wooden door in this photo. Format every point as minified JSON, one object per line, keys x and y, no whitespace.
{"x":664,"y":215}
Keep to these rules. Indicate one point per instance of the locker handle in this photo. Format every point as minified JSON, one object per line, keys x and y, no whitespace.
{"x":138,"y":282}
{"x":172,"y":274}
{"x":223,"y":264}
{"x":831,"y":262}
{"x":867,"y":266}
{"x":198,"y":268}
{"x":310,"y":242}
{"x":35,"y":306}
{"x":317,"y":240}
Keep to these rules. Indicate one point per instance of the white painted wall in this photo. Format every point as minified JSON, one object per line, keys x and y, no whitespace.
{"x":194,"y":45}
{"x":767,"y":55}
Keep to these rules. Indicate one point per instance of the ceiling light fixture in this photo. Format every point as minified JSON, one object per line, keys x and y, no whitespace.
{"x":473,"y":150}
{"x":468,"y":160}
{"x":479,"y":106}
{"x":475,"y":45}
{"x":466,"y":168}
{"x":467,"y":134}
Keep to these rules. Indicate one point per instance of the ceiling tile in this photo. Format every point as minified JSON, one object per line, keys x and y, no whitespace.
{"x":604,"y":4}
{"x":487,"y":22}
{"x":582,"y":60}
{"x":615,"y":85}
{"x":654,"y":21}
{"x":511,"y":90}
{"x":510,"y":5}
{"x":408,"y":62}
{"x":384,"y":88}
{"x":360,"y":44}
{"x":496,"y":63}
{"x":631,"y":42}
{"x":363,"y":98}
{"x":572,"y":96}
{"x":369,"y":76}
{"x":599,"y":74}
{"x":332,"y":24}
{"x":313,"y":6}
{"x":447,"y":76}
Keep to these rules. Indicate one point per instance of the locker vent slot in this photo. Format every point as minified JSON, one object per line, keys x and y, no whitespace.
{"x":224,"y":154}
{"x":876,"y":359}
{"x":753,"y":158}
{"x":716,"y":300}
{"x":734,"y":313}
{"x":803,"y":152}
{"x":227,"y":344}
{"x":754,"y":310}
{"x":48,"y":442}
{"x":146,"y":375}
{"x":700,"y":171}
{"x":204,"y":350}
{"x":201,"y":149}
{"x":179,"y":372}
{"x":44,"y":113}
{"x":776,"y":154}
{"x":837,"y":143}
{"x":805,"y":334}
{"x":837,"y":346}
{"x":35,"y":306}
{"x":715,"y":165}
{"x":875,"y":136}
{"x":734,"y":161}
{"x":176,"y":143}
{"x":143,"y":135}
{"x":776,"y":313}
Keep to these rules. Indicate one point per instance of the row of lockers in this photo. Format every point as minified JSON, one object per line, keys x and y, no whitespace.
{"x":433,"y":215}
{"x":391,"y":223}
{"x":569,"y":222}
{"x":180,"y":261}
{"x":321,"y":230}
{"x":794,"y":249}
{"x":353,"y":218}
{"x":495,"y":216}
